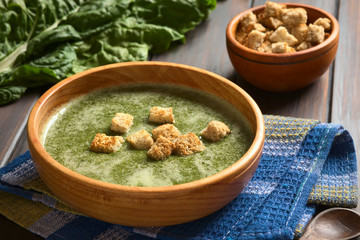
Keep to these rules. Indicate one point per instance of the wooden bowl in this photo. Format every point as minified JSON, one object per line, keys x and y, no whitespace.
{"x":144,"y":206}
{"x":288,"y":71}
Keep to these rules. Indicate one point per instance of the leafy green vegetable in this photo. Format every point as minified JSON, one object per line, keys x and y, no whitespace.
{"x":45,"y":41}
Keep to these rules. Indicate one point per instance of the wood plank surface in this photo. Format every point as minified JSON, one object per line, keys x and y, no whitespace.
{"x":346,"y":95}
{"x":13,"y":119}
{"x":205,"y":46}
{"x":335,"y":97}
{"x":312,"y":102}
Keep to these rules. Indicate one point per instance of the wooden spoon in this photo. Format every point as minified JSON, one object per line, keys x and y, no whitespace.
{"x":334,"y":223}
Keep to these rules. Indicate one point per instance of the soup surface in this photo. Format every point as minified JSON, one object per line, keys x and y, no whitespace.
{"x":70,"y":130}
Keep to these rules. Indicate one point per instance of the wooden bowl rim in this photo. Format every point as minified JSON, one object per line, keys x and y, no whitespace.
{"x":282,"y":57}
{"x":243,"y":163}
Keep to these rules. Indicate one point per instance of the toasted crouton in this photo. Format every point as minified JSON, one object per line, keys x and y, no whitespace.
{"x":161,"y":115}
{"x":293,"y":16}
{"x":255,"y":39}
{"x":272,"y":23}
{"x":300,"y":32}
{"x":265,"y":47}
{"x":247,"y":20}
{"x":325,"y":22}
{"x":304,"y":45}
{"x":106,"y":144}
{"x":121,"y":123}
{"x":241,"y":36}
{"x":141,"y":140}
{"x":161,"y":149}
{"x":273,"y":9}
{"x":281,"y":47}
{"x":215,"y":131}
{"x":282,"y":35}
{"x":166,"y":130}
{"x":257,"y":27}
{"x":188,"y":144}
{"x":316,"y":34}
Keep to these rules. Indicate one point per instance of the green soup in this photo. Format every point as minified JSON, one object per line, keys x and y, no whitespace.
{"x":71,"y":129}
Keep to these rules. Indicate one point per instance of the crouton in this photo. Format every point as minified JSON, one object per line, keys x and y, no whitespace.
{"x":325,"y":22}
{"x":304,"y":45}
{"x":281,"y":47}
{"x":256,"y":26}
{"x":161,"y":115}
{"x":254,"y":39}
{"x":281,"y":24}
{"x":166,"y":130}
{"x":161,"y":149}
{"x":300,"y":32}
{"x":141,"y":140}
{"x":215,"y":131}
{"x":267,"y":35}
{"x":293,"y":16}
{"x":265,"y":47}
{"x":241,"y":36}
{"x":121,"y":123}
{"x":247,"y":20}
{"x":106,"y":144}
{"x":272,"y":23}
{"x":188,"y":144}
{"x":273,"y":9}
{"x":316,"y":34}
{"x":282,"y":35}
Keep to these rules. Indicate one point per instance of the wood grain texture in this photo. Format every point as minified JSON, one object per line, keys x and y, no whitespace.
{"x":334,"y":97}
{"x":205,"y":46}
{"x":145,"y":206}
{"x":346,"y":95}
{"x":282,"y":72}
{"x":13,"y":119}
{"x":312,"y":102}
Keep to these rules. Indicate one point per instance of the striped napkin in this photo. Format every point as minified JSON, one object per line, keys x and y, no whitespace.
{"x":305,"y":164}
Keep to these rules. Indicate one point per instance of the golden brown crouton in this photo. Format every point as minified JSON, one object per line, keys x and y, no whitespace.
{"x":325,"y":22}
{"x":281,"y":47}
{"x":257,"y":27}
{"x":122,"y":122}
{"x":161,"y":149}
{"x":316,"y":34}
{"x":254,"y":39}
{"x":303,"y":46}
{"x":282,"y":35}
{"x":273,"y":9}
{"x":215,"y":131}
{"x":106,"y":144}
{"x":300,"y":32}
{"x":166,"y":130}
{"x":141,"y":140}
{"x":265,"y":47}
{"x":188,"y":144}
{"x":293,"y":16}
{"x":267,"y":35}
{"x":241,"y":36}
{"x":161,"y":115}
{"x":247,"y":20}
{"x":272,"y":23}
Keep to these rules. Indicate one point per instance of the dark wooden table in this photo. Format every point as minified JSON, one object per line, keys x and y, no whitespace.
{"x":335,"y":97}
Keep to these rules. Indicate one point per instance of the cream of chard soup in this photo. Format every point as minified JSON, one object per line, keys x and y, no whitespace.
{"x":71,"y":129}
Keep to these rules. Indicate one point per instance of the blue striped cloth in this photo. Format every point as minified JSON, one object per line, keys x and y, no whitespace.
{"x":305,"y":164}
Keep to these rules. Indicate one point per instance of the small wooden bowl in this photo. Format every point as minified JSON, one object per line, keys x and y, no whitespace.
{"x":144,"y":206}
{"x":288,"y":71}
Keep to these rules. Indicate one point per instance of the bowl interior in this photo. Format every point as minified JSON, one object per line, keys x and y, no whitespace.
{"x":141,"y":72}
{"x":145,"y":206}
{"x":313,"y":14}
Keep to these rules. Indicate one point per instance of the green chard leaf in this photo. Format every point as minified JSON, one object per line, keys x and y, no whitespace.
{"x":45,"y":41}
